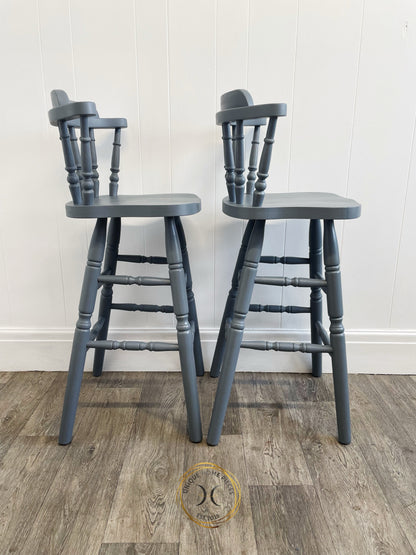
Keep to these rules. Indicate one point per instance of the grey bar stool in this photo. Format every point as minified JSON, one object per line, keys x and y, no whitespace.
{"x":81,"y":166}
{"x":250,"y":203}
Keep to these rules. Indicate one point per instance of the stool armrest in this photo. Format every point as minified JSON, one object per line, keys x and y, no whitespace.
{"x":255,"y":114}
{"x":101,"y":123}
{"x":71,"y":111}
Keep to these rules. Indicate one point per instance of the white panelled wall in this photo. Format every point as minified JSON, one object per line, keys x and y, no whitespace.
{"x":347,"y":72}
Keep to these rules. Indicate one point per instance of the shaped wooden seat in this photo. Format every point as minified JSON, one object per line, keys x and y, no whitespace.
{"x":247,"y":200}
{"x":83,"y":178}
{"x":309,"y":206}
{"x":134,"y":206}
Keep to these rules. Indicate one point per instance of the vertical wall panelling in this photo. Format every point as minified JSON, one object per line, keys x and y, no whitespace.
{"x":153,"y":98}
{"x":107,"y":75}
{"x":28,"y":227}
{"x":325,"y":88}
{"x":192,"y":108}
{"x":272,"y":61}
{"x":231,"y":62}
{"x":404,"y":295}
{"x":346,"y":71}
{"x":5,"y":313}
{"x":380,"y":157}
{"x":57,"y":63}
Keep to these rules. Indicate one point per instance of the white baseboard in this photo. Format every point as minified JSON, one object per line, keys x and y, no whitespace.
{"x":369,"y":351}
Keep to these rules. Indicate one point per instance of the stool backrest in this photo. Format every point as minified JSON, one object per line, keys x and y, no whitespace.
{"x":237,"y":114}
{"x":81,"y":163}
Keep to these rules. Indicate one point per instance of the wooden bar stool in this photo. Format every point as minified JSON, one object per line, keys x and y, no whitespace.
{"x":237,"y":114}
{"x":81,"y":166}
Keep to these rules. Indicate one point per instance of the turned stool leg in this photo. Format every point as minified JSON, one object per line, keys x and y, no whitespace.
{"x":82,"y":330}
{"x":185,"y":333}
{"x":235,"y":332}
{"x":315,"y":271}
{"x":229,"y":305}
{"x":110,"y":264}
{"x":199,"y":363}
{"x":337,"y":337}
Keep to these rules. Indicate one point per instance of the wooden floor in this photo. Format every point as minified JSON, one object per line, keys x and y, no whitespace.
{"x":113,"y":490}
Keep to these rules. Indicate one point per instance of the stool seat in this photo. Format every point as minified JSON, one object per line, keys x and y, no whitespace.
{"x":136,"y":206}
{"x":310,"y":206}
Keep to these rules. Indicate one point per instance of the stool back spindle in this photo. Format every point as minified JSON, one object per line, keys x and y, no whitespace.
{"x":252,"y":164}
{"x":81,"y":163}
{"x":115,"y":163}
{"x":237,"y":113}
{"x":229,"y":165}
{"x":71,"y":166}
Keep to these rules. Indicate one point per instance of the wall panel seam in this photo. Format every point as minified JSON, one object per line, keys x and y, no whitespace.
{"x":396,"y":263}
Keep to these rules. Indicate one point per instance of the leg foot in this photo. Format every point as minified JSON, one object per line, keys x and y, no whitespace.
{"x":184,"y":329}
{"x":337,"y":337}
{"x":199,"y":363}
{"x":315,"y":270}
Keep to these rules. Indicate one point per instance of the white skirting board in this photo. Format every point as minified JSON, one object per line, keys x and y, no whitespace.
{"x":369,"y":351}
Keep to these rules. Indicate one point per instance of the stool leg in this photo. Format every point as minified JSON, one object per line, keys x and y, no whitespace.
{"x":229,"y":305}
{"x":235,"y":333}
{"x":315,"y":270}
{"x":337,"y":337}
{"x":82,"y":330}
{"x":199,"y":363}
{"x":110,"y":264}
{"x":185,"y":334}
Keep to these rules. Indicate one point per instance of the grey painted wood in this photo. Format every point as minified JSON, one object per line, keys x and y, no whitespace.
{"x":115,"y":163}
{"x":132,"y":307}
{"x":309,"y":206}
{"x":229,"y":164}
{"x":253,"y":113}
{"x":252,"y":164}
{"x":235,"y":333}
{"x":110,"y":265}
{"x":266,"y":156}
{"x":157,"y":346}
{"x":71,"y":111}
{"x":184,"y":329}
{"x":134,"y":280}
{"x":94,"y":164}
{"x":82,"y":330}
{"x":193,"y":317}
{"x":239,"y":162}
{"x":238,"y":112}
{"x":87,"y":184}
{"x":83,"y":178}
{"x":132,"y":206}
{"x":140,"y":259}
{"x":229,"y":306}
{"x":315,"y":270}
{"x":279,"y":308}
{"x":294,"y":282}
{"x":337,"y":337}
{"x":284,"y":260}
{"x":72,"y":165}
{"x":287,"y":347}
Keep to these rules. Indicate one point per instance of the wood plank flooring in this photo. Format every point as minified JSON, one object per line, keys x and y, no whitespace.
{"x":113,"y":490}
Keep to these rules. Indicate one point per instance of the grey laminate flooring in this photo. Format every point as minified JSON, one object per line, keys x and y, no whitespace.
{"x":113,"y":490}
